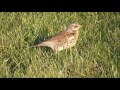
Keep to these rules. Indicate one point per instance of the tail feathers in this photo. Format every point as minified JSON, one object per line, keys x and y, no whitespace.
{"x":40,"y":44}
{"x":37,"y":45}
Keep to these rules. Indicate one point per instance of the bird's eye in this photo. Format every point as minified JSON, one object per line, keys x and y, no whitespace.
{"x":76,"y":26}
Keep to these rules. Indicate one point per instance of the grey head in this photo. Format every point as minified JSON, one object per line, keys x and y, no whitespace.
{"x":73,"y":27}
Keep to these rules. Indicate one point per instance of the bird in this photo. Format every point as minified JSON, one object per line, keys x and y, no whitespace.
{"x":63,"y":40}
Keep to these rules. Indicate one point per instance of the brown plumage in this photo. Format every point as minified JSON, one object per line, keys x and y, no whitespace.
{"x":63,"y":40}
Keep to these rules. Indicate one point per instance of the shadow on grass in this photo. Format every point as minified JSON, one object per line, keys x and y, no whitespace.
{"x":38,"y":40}
{"x":43,"y":36}
{"x":14,"y":67}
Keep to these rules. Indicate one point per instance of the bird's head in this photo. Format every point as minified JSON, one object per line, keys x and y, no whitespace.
{"x":73,"y":27}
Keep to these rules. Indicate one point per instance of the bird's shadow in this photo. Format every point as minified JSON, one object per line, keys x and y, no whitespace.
{"x":43,"y":36}
{"x":38,"y":39}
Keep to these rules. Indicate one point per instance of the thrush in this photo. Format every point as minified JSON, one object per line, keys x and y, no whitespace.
{"x":65,"y":39}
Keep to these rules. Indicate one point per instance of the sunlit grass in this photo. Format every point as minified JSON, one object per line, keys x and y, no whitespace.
{"x":96,"y":54}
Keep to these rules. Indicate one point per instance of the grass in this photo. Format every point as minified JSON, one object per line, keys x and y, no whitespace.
{"x":96,"y":54}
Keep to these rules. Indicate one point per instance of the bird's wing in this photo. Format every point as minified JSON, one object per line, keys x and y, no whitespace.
{"x":61,"y":38}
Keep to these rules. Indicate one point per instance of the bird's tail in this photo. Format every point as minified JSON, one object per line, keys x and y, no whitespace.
{"x":40,"y":44}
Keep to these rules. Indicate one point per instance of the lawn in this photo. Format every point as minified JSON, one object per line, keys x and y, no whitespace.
{"x":96,"y":54}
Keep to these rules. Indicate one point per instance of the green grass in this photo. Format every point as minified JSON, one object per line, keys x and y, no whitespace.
{"x":96,"y":54}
